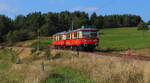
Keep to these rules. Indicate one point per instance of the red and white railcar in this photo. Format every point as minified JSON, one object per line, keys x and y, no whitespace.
{"x":83,"y":39}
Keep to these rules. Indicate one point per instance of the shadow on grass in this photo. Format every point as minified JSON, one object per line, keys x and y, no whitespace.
{"x":67,"y":75}
{"x":55,"y":78}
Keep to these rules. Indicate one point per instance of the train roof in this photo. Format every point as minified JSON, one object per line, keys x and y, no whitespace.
{"x":80,"y":29}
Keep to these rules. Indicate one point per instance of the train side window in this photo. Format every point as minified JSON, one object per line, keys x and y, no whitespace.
{"x":75,"y":35}
{"x":68,"y":36}
{"x":64,"y":37}
{"x":61,"y":37}
{"x":54,"y":38}
{"x":80,"y":34}
{"x":57,"y":38}
{"x":71,"y":36}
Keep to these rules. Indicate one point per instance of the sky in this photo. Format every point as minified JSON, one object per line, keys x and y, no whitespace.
{"x":12,"y":8}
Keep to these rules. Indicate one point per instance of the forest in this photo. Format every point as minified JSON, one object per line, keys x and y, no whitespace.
{"x":26,"y":27}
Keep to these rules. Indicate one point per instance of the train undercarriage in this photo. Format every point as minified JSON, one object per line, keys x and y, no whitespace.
{"x":82,"y":47}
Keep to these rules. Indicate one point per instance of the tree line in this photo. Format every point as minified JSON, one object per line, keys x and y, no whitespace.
{"x":46,"y":24}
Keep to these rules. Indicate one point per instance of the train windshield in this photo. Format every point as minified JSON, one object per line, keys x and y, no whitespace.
{"x":89,"y":34}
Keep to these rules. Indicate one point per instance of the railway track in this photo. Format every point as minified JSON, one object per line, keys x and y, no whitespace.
{"x":129,"y":56}
{"x":99,"y":53}
{"x":123,"y":56}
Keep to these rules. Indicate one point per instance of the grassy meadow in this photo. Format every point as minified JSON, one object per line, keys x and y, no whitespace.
{"x":100,"y":69}
{"x":123,"y":38}
{"x":7,"y":59}
{"x":66,"y":67}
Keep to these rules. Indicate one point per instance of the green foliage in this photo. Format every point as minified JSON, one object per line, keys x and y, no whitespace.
{"x":3,"y":66}
{"x":19,"y":35}
{"x":5,"y":59}
{"x":114,"y":21}
{"x":42,"y":44}
{"x":5,"y":26}
{"x":67,"y":75}
{"x":39,"y":45}
{"x":14,"y":58}
{"x":46,"y":24}
{"x":148,"y":22}
{"x":20,"y":22}
{"x":143,"y":26}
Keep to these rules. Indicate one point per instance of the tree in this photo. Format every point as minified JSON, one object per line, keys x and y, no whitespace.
{"x":34,"y":21}
{"x":143,"y":27}
{"x":148,"y":22}
{"x":18,"y":35}
{"x":50,"y":23}
{"x":94,"y":19}
{"x":79,"y":19}
{"x":5,"y":26}
{"x":20,"y":22}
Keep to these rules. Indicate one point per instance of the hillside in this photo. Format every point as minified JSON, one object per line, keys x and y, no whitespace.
{"x":123,"y":38}
{"x":66,"y":67}
{"x":58,"y":66}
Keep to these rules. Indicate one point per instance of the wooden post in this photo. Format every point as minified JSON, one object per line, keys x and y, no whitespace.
{"x":42,"y":66}
{"x":78,"y":54}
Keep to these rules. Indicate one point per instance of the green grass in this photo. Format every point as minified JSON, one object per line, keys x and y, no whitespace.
{"x":5,"y":60}
{"x":114,"y":39}
{"x":43,"y":43}
{"x":67,"y":75}
{"x":123,"y":38}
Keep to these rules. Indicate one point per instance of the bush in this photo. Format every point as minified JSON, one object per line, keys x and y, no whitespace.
{"x":58,"y":55}
{"x":19,"y":35}
{"x":14,"y":59}
{"x":40,"y":45}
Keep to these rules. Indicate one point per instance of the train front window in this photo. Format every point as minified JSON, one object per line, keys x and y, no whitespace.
{"x":89,"y":34}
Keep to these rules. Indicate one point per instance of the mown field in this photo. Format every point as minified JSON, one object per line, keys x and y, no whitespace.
{"x":123,"y":38}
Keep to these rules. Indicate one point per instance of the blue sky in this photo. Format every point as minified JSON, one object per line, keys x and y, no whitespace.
{"x":12,"y":8}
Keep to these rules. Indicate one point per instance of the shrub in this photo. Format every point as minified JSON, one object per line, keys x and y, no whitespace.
{"x":38,"y":45}
{"x":18,"y":35}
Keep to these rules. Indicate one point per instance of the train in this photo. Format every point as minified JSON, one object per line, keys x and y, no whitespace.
{"x":83,"y":39}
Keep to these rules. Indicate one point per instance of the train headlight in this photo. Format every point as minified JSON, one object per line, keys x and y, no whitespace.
{"x":95,"y":40}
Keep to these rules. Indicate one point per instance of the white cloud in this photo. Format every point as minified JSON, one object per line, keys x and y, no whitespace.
{"x":7,"y":8}
{"x":4,"y":7}
{"x":86,"y":9}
